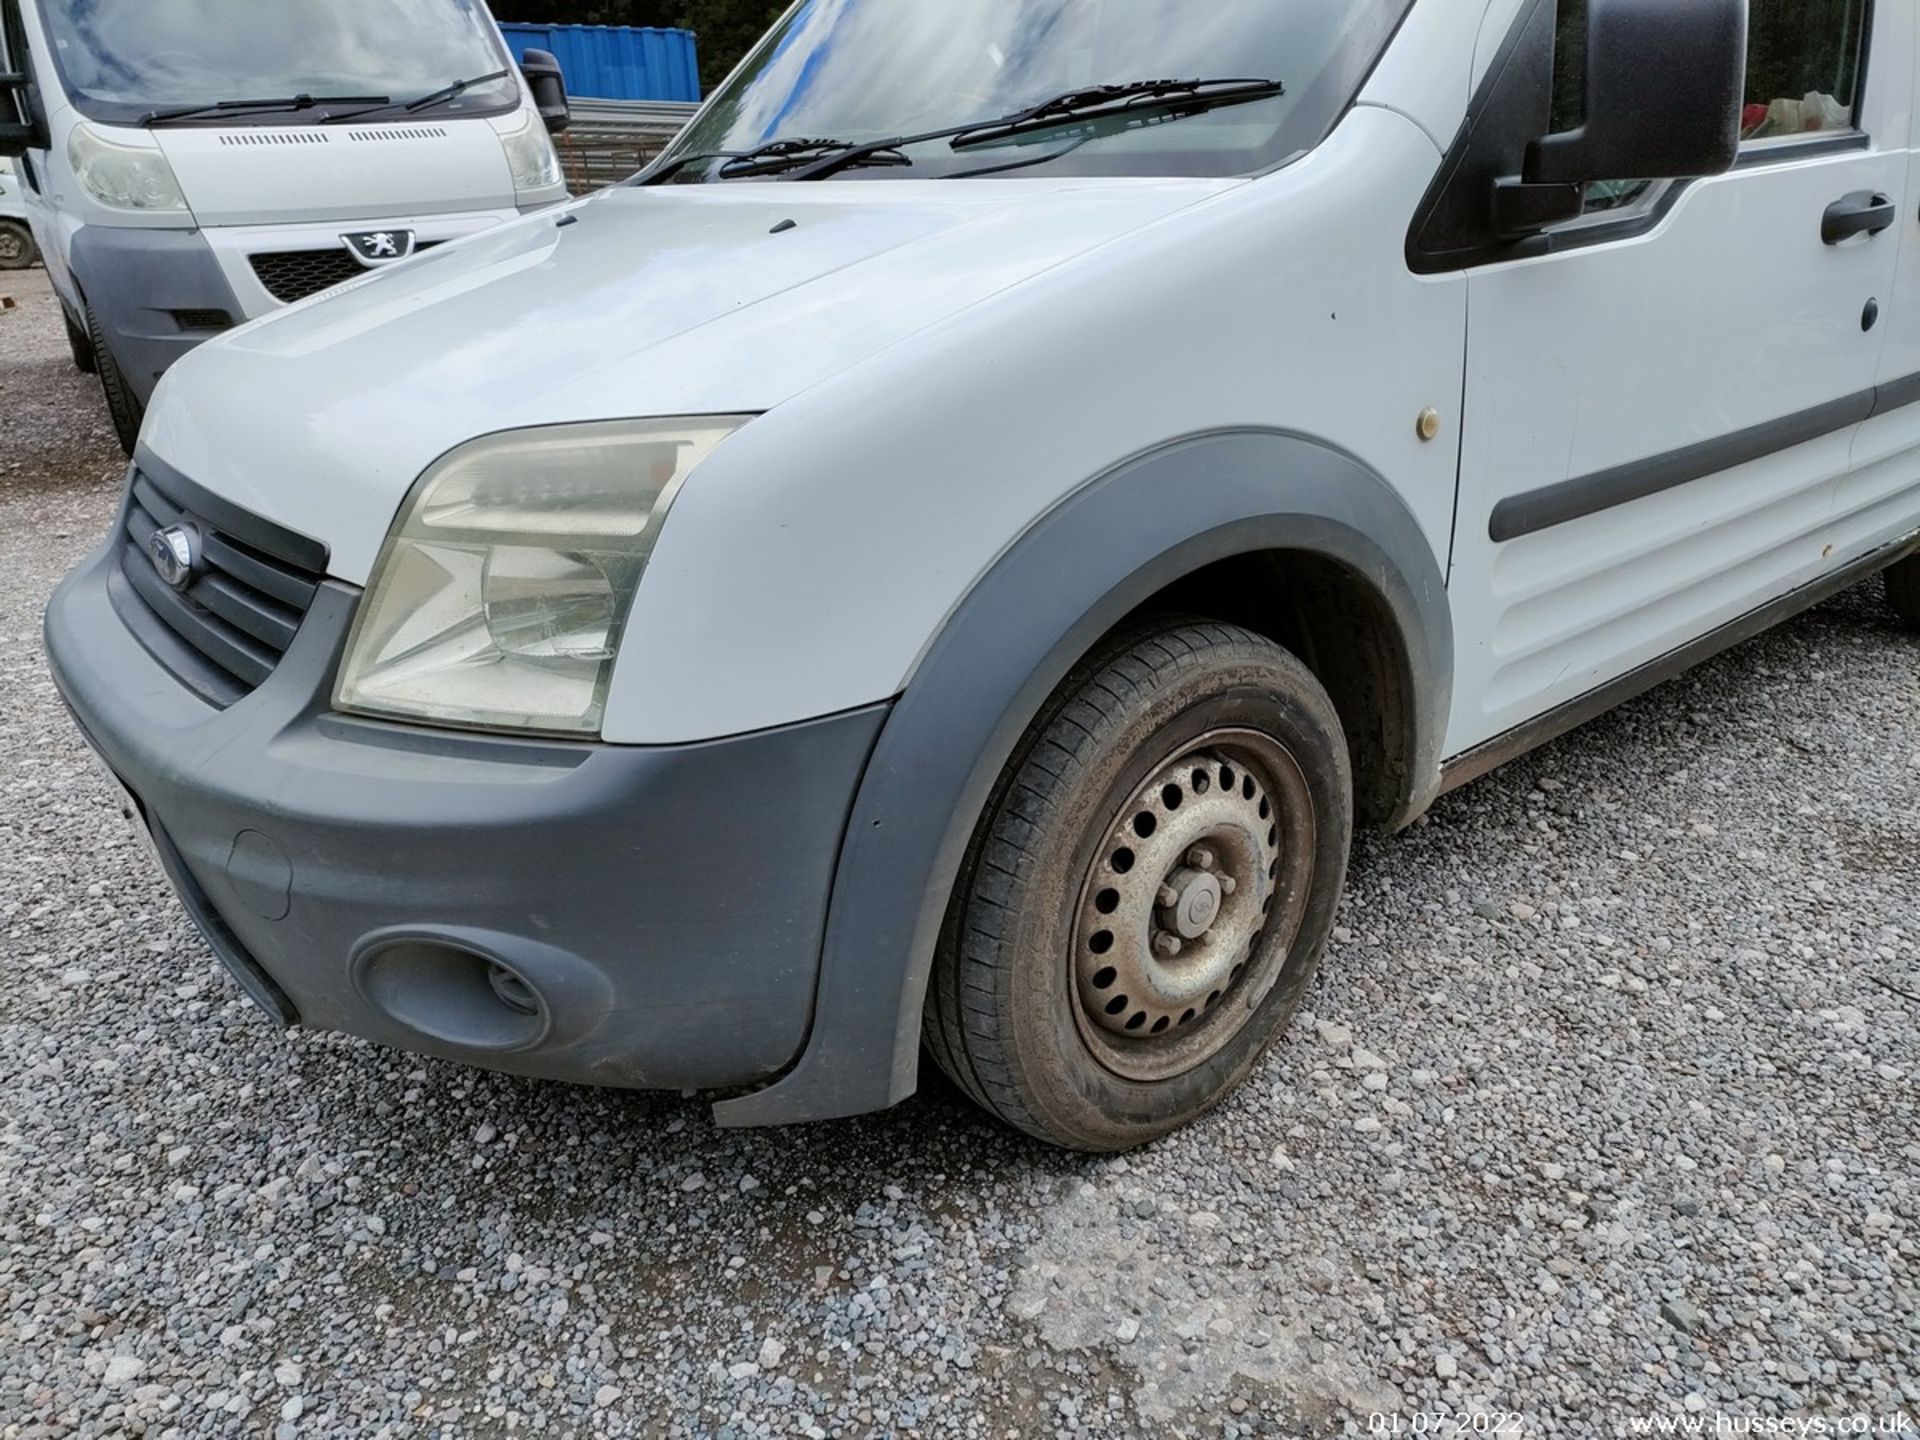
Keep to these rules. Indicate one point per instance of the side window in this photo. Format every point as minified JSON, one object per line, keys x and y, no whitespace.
{"x":1804,"y":61}
{"x":1803,"y":67}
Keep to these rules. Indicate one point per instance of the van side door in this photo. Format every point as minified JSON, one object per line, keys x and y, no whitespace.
{"x":1662,"y":395}
{"x":1879,"y":502}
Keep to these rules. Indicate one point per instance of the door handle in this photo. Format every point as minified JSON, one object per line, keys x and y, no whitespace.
{"x":1861,"y":213}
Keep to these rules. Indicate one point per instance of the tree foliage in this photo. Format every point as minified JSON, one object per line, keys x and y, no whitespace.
{"x":725,"y":28}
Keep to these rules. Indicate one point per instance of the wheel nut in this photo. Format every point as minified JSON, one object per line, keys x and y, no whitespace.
{"x":1167,"y":898}
{"x":1200,"y":857}
{"x":1166,"y":945}
{"x":1228,"y":884}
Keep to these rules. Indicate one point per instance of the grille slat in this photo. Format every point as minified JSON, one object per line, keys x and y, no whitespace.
{"x":241,"y":609}
{"x":285,"y":584}
{"x":270,"y":623}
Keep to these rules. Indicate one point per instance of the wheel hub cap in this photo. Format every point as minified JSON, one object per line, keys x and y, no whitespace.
{"x":1178,"y":898}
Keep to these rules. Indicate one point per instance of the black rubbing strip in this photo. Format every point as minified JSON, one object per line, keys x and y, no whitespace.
{"x":1896,"y":394}
{"x":1552,"y":505}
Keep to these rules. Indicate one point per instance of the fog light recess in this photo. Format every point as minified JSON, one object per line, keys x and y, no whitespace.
{"x":453,"y":994}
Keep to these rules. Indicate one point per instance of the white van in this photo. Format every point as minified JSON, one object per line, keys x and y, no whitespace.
{"x":951,"y":553}
{"x":17,"y":248}
{"x":191,"y":164}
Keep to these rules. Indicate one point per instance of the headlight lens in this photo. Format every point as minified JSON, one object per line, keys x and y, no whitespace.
{"x":123,"y":177}
{"x":499,"y":598}
{"x":531,"y":156}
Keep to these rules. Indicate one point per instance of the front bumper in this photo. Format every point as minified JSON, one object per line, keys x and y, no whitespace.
{"x":156,"y":293}
{"x":636,"y":917}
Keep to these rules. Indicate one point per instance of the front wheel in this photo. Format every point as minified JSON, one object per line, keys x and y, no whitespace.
{"x":1148,"y":895}
{"x":123,"y":406}
{"x":17,"y":250}
{"x":1903,"y":591}
{"x":78,"y":344}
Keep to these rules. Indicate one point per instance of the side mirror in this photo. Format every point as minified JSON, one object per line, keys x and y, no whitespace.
{"x":549,"y":86}
{"x":21,"y":128}
{"x":1665,"y":83}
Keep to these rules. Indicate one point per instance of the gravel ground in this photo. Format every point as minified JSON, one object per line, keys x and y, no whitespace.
{"x":1605,"y":1110}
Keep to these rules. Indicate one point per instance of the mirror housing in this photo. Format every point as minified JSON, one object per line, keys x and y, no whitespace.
{"x":1665,"y":84}
{"x":549,"y":86}
{"x":21,"y":126}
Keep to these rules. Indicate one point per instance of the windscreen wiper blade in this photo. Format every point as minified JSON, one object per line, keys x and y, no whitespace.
{"x":819,"y":159}
{"x":231,"y":107}
{"x":1176,"y":98}
{"x":776,"y":157}
{"x":432,"y":98}
{"x":1167,"y":99}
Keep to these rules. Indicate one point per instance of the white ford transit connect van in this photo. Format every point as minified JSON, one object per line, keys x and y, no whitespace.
{"x":190,"y":164}
{"x":948,"y":556}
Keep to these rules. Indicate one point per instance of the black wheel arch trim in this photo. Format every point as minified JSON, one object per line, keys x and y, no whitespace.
{"x":1070,"y":578}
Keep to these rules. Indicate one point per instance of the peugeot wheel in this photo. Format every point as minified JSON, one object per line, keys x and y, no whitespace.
{"x":1148,"y":896}
{"x":1903,"y":591}
{"x":17,"y":250}
{"x":122,"y":404}
{"x":78,"y":344}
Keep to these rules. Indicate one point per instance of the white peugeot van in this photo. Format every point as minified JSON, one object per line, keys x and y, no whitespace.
{"x":947,"y":556}
{"x":190,"y":164}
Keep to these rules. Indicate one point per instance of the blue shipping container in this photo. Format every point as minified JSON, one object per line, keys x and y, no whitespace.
{"x":615,"y":62}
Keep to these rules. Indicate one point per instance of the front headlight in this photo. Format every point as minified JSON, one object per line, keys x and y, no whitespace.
{"x":124,"y":177}
{"x":531,"y":156}
{"x":499,"y":598}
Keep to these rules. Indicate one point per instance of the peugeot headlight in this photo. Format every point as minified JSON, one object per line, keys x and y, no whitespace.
{"x":531,"y":156}
{"x":124,"y":177}
{"x":500,"y":596}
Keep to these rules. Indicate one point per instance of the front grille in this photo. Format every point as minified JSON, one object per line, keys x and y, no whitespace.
{"x":291,"y":275}
{"x":224,"y":633}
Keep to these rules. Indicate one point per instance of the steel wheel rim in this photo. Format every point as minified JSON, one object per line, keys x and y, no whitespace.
{"x":13,"y":245}
{"x":1195,"y":892}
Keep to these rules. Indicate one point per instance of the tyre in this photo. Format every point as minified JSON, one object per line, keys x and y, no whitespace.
{"x":1903,"y":591}
{"x":1149,"y":893}
{"x":122,"y":404}
{"x":78,"y":343}
{"x":17,"y":250}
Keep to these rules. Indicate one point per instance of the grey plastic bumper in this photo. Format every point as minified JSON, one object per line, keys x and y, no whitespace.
{"x":140,"y":284}
{"x":657,"y":913}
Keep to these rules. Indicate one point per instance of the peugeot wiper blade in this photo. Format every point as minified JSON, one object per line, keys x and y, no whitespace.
{"x":1176,"y":98}
{"x":289,"y":102}
{"x":424,"y":102}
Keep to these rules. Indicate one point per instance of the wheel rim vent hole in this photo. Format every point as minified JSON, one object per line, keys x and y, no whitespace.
{"x":1117,"y":1004}
{"x":1122,"y":860}
{"x":1103,"y":979}
{"x":1144,"y":824}
{"x":1101,"y":942}
{"x":1107,"y":901}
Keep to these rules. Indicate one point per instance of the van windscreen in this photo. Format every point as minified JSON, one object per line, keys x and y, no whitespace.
{"x":121,"y":61}
{"x":862,"y":70}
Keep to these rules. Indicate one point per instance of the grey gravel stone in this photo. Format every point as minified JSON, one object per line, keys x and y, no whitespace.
{"x":1622,"y":1085}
